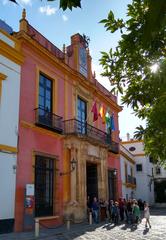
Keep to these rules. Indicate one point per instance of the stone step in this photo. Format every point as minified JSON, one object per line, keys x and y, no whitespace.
{"x":159,"y":205}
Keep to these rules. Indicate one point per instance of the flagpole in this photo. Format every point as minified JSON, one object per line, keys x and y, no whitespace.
{"x":87,"y":117}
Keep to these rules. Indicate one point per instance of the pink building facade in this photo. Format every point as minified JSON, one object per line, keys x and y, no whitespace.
{"x":64,"y":156}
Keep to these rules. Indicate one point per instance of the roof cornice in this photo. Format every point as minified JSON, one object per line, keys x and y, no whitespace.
{"x":76,"y":76}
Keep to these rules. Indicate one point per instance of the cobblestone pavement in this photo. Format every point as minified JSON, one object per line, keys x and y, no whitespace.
{"x":103,"y":231}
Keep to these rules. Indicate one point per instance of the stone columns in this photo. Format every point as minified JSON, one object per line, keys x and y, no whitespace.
{"x":84,"y":152}
{"x":103,"y":175}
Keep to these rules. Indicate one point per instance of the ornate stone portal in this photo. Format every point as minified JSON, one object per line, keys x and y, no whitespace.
{"x":85,"y":153}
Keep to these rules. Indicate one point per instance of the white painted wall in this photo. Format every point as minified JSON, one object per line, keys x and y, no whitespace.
{"x":138,"y":145}
{"x":127,"y":192}
{"x":9,"y":104}
{"x":7,"y":40}
{"x":143,"y":178}
{"x":9,"y":116}
{"x":144,"y":190}
{"x":7,"y":185}
{"x":162,"y":172}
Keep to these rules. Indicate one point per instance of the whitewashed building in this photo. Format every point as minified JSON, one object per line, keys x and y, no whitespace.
{"x":159,"y":185}
{"x":127,"y":164}
{"x":10,"y":68}
{"x":143,"y":171}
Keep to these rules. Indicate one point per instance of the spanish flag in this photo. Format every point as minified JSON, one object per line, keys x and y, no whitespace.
{"x":95,"y":113}
{"x":102,"y":113}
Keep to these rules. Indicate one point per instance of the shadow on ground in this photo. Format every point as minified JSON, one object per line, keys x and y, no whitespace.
{"x":146,"y":230}
{"x":77,"y":230}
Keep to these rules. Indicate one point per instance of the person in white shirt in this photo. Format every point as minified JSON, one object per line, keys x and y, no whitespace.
{"x":147,"y":215}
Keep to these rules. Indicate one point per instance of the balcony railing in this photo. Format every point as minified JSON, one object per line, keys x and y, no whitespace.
{"x":131,"y":180}
{"x":48,"y":120}
{"x":113,"y":146}
{"x":76,"y":127}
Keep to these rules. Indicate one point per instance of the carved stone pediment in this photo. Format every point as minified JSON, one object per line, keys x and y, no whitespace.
{"x":82,"y":92}
{"x":93,"y":150}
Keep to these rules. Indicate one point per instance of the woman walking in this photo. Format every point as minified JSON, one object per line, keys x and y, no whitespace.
{"x":136,"y":212}
{"x":147,"y":215}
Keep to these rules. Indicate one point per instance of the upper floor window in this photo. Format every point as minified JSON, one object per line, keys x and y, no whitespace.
{"x":81,"y":114}
{"x":139,"y":167}
{"x":45,"y":93}
{"x":158,"y":170}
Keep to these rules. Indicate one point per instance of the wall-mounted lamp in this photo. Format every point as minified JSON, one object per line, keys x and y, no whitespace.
{"x":73,"y":164}
{"x":115,"y":172}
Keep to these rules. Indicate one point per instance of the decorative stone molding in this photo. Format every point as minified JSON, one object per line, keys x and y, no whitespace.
{"x":83,"y":92}
{"x":93,"y":150}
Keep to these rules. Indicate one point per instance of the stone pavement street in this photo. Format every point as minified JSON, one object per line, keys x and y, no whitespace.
{"x":101,"y":231}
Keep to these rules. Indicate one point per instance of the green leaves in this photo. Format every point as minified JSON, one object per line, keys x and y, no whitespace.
{"x":128,"y":68}
{"x":154,"y":111}
{"x":155,"y":21}
{"x":13,"y":1}
{"x":64,"y":4}
{"x":111,"y":24}
{"x":139,"y":133}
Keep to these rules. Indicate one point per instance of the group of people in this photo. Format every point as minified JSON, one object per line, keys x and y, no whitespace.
{"x":115,"y":211}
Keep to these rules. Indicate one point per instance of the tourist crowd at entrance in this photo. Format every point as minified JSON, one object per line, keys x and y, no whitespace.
{"x":118,"y":211}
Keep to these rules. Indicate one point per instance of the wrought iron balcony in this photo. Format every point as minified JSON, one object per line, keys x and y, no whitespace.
{"x":48,"y":120}
{"x":82,"y":129}
{"x":131,"y":180}
{"x":113,"y":146}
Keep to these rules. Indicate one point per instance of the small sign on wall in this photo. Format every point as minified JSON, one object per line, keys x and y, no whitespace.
{"x":29,"y":202}
{"x":30,"y":190}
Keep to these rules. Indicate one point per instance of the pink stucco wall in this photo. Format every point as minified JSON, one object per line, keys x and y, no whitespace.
{"x":114,"y":163}
{"x":31,"y":140}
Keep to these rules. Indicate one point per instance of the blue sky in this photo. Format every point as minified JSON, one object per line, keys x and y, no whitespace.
{"x":58,"y":26}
